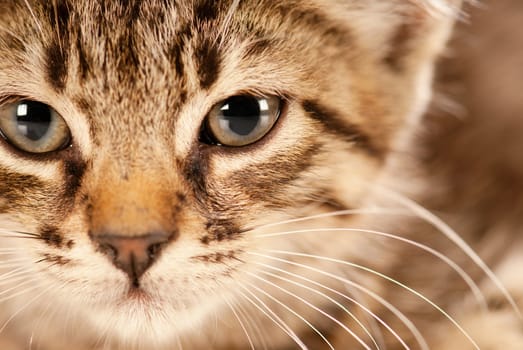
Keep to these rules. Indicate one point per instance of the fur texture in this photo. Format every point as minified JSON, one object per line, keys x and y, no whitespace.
{"x":364,"y":266}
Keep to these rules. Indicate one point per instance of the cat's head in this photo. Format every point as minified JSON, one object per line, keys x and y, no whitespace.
{"x":142,"y":141}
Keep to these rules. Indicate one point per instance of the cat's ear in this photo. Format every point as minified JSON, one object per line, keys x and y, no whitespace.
{"x":400,"y":41}
{"x":406,"y":32}
{"x":422,"y":30}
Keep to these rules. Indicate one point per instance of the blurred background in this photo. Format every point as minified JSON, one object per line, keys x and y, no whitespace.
{"x":473,"y":132}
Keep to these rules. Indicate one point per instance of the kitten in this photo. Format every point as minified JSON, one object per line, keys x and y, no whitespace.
{"x":206,"y":174}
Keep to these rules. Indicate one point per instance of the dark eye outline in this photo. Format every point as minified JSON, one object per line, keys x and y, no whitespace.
{"x":13,"y":147}
{"x":206,"y":136}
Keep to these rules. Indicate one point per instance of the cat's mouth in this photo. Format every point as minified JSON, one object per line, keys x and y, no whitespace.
{"x":136,"y":293}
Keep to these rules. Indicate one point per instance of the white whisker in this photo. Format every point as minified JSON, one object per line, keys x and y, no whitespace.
{"x":67,"y":327}
{"x":14,"y":295}
{"x":8,"y":254}
{"x":351,"y":315}
{"x":369,"y":211}
{"x":466,"y":278}
{"x":279,"y":302}
{"x":314,"y":307}
{"x":413,"y":329}
{"x":15,"y":272}
{"x":270,"y":314}
{"x":16,"y":278}
{"x":179,"y":342}
{"x":388,"y":278}
{"x":233,"y":309}
{"x":12,"y":250}
{"x":357,"y":299}
{"x":8,"y":290}
{"x":223,"y":33}
{"x":27,"y":304}
{"x":363,"y":307}
{"x":12,"y":261}
{"x":45,"y":315}
{"x":101,"y":338}
{"x":57,"y":29}
{"x":34,"y":18}
{"x":426,"y":215}
{"x":253,"y":323}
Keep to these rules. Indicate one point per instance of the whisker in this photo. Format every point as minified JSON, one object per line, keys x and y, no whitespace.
{"x":226,"y":23}
{"x":8,"y":253}
{"x":429,"y":217}
{"x":13,"y":249}
{"x":31,"y":339}
{"x":35,"y":19}
{"x":241,"y":323}
{"x":216,"y":323}
{"x":19,"y":236}
{"x":14,"y":295}
{"x":11,"y":261}
{"x":179,"y":342}
{"x":57,"y":29}
{"x":15,"y":278}
{"x":404,"y":319}
{"x":14,"y":272}
{"x":271,"y":315}
{"x":102,"y":337}
{"x":363,"y":307}
{"x":357,"y":299}
{"x":51,"y":286}
{"x":328,"y":298}
{"x":288,"y":308}
{"x":24,"y":233}
{"x":6,"y":291}
{"x":7,"y":268}
{"x":253,"y":323}
{"x":388,"y":278}
{"x":480,"y":298}
{"x":68,"y":325}
{"x":371,"y":210}
{"x":44,"y":315}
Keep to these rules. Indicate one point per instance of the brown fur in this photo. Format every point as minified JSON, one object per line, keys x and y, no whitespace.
{"x":135,"y":80}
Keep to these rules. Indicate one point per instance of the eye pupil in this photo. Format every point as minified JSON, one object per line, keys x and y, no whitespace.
{"x":241,"y":113}
{"x":33,"y":119}
{"x":33,"y":127}
{"x":240,"y":120}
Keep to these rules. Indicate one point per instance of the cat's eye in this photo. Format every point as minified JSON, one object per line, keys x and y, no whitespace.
{"x":33,"y":127}
{"x":240,"y":120}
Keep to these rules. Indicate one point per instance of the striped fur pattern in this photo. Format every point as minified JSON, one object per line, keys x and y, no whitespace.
{"x":273,"y":245}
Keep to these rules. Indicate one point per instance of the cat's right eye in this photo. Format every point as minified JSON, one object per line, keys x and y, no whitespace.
{"x":33,"y":127}
{"x":241,"y":120}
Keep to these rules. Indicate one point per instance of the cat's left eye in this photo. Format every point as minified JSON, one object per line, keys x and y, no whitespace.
{"x":33,"y":127}
{"x":240,"y":120}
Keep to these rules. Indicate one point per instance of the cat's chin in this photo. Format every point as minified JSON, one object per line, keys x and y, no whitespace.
{"x":140,"y":319}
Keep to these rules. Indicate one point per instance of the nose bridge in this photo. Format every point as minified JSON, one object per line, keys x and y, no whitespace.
{"x":132,"y":204}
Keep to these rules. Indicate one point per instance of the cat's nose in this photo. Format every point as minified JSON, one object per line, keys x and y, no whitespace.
{"x":133,"y":255}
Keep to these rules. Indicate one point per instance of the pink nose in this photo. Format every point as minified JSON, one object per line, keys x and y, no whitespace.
{"x":133,"y":255}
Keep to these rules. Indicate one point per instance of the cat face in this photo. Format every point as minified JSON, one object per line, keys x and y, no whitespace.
{"x":143,"y":145}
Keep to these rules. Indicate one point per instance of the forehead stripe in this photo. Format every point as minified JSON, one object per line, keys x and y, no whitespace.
{"x":333,"y":123}
{"x":57,"y":54}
